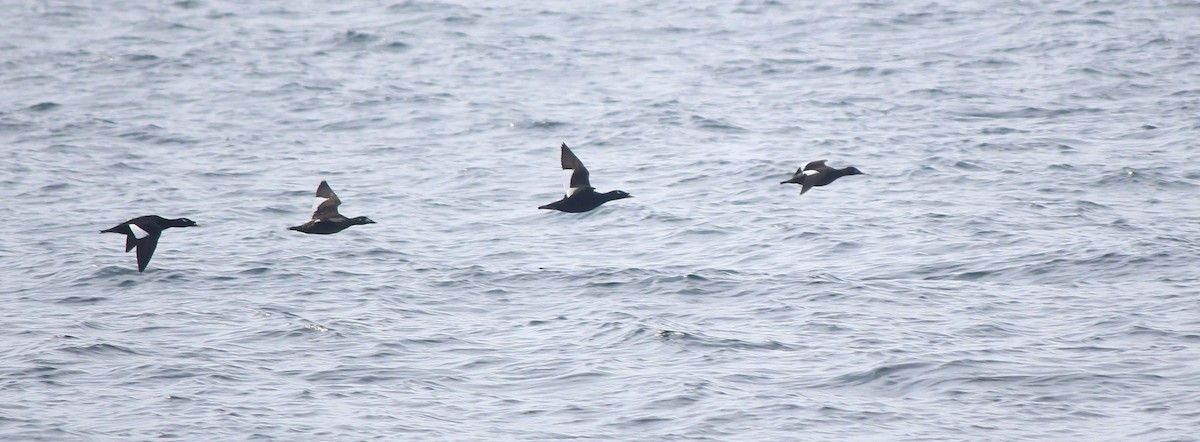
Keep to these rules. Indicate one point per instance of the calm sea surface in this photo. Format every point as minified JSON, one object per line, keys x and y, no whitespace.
{"x":1021,"y":260}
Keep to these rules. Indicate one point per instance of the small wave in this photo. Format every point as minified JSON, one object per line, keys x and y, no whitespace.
{"x":188,"y":4}
{"x":82,"y":300}
{"x":539,"y":124}
{"x":43,"y":107}
{"x":892,"y":376}
{"x":671,"y":29}
{"x":715,"y":124}
{"x":141,"y":57}
{"x":397,"y":46}
{"x":42,"y":372}
{"x":109,"y":271}
{"x":409,"y":6}
{"x":702,"y":340}
{"x":1001,"y":131}
{"x":353,"y":37}
{"x":123,"y":166}
{"x":100,"y":349}
{"x":990,"y":63}
{"x":355,"y":124}
{"x":1030,"y":112}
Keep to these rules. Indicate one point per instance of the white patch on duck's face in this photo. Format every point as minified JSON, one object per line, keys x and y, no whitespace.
{"x":138,"y":232}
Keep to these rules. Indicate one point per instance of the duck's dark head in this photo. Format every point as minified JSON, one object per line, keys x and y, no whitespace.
{"x":617,"y":195}
{"x":182,"y":222}
{"x":851,"y":171}
{"x":361,"y":220}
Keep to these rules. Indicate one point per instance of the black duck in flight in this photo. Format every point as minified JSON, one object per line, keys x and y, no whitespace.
{"x":581,"y":196}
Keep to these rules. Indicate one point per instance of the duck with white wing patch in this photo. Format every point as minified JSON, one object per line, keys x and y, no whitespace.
{"x":581,"y":196}
{"x":143,"y":233}
{"x":325,"y":219}
{"x":816,"y":174}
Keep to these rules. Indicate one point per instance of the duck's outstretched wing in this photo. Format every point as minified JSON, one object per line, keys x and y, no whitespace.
{"x":807,"y":184}
{"x":579,"y":174}
{"x":328,"y":206}
{"x":813,"y":165}
{"x":145,"y":249}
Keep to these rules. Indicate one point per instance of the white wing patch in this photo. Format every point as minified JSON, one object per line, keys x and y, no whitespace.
{"x":810,"y":172}
{"x":138,"y":232}
{"x":567,"y":181}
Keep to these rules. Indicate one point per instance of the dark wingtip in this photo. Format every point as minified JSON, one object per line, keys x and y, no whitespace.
{"x":323,"y":189}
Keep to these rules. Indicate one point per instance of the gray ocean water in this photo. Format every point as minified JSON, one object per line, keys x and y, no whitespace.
{"x":1018,"y":263}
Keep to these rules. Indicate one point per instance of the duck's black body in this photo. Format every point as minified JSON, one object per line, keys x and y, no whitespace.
{"x":581,"y":196}
{"x":326,"y":219}
{"x":143,"y":232}
{"x":583,"y":200}
{"x":817,"y":174}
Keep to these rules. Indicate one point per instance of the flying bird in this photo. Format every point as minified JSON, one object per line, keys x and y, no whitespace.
{"x":143,"y":232}
{"x":581,"y":196}
{"x":326,"y":220}
{"x":816,"y":174}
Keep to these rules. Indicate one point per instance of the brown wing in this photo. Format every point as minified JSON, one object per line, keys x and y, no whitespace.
{"x":329,"y":207}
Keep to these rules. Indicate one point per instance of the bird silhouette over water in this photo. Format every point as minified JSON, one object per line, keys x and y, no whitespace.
{"x":143,"y":232}
{"x":581,"y":196}
{"x":326,"y":220}
{"x":816,"y":174}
